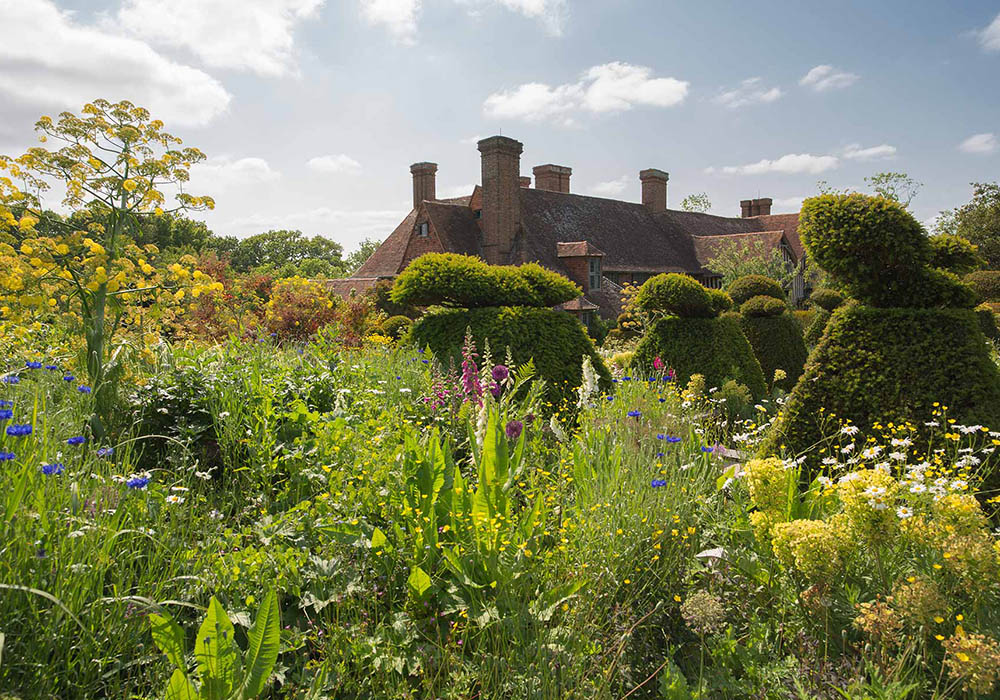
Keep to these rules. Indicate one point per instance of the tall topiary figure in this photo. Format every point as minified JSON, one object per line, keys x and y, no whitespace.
{"x":910,"y":340}
{"x":774,"y":334}
{"x":508,"y":306}
{"x":688,"y":334}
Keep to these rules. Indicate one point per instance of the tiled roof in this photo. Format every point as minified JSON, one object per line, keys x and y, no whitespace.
{"x":578,"y":304}
{"x":708,"y":247}
{"x":344,"y":287}
{"x":789,"y":223}
{"x":577,"y":249}
{"x":456,"y":227}
{"x":388,"y":258}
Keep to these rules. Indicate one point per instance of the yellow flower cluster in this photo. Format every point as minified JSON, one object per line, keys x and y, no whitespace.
{"x":974,"y":661}
{"x":814,"y":548}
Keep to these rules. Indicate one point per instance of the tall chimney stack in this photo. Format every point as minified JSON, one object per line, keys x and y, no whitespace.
{"x":424,"y":188}
{"x":764,"y":206}
{"x":755,"y":207}
{"x":746,"y":206}
{"x":501,"y":214}
{"x":554,"y":178}
{"x":654,"y":189}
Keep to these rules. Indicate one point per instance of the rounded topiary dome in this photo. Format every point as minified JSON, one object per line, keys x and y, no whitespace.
{"x":762,"y":306}
{"x":677,"y":295}
{"x":749,"y":286}
{"x":721,"y":301}
{"x":827,"y":299}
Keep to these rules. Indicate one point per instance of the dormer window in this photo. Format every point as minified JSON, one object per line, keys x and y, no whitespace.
{"x":594,"y":273}
{"x":423,"y":230}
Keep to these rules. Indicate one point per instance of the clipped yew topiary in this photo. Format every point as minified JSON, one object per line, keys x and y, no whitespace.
{"x":909,"y":340}
{"x":954,"y":254}
{"x":762,"y":307}
{"x":554,"y":340}
{"x":773,"y":332}
{"x":689,"y":336}
{"x":745,"y":288}
{"x":448,"y":279}
{"x":814,"y":331}
{"x":396,"y":326}
{"x":721,"y":301}
{"x":827,"y":299}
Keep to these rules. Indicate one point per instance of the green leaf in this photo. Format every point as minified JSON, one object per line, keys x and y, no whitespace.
{"x":180,"y":688}
{"x":169,"y":637}
{"x":217,"y":654}
{"x":265,"y":640}
{"x":378,"y":539}
{"x":418,"y":582}
{"x":549,"y":601}
{"x":726,"y":476}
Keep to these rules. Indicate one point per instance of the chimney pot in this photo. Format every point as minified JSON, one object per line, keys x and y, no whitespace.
{"x":525,"y":181}
{"x":654,"y":189}
{"x":501,"y":213}
{"x":424,"y":188}
{"x":764,"y":206}
{"x":554,"y":178}
{"x":745,"y":206}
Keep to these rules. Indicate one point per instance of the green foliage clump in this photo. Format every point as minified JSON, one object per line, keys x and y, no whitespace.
{"x":827,"y":299}
{"x":876,"y":249}
{"x":891,"y":365}
{"x":777,"y":342}
{"x":554,"y":340}
{"x":721,"y":301}
{"x":677,"y":295}
{"x":750,"y":286}
{"x":985,"y":283}
{"x":954,"y":254}
{"x":396,"y":326}
{"x":762,"y":307}
{"x":713,"y":347}
{"x":988,"y":321}
{"x":814,"y":331}
{"x":449,"y":279}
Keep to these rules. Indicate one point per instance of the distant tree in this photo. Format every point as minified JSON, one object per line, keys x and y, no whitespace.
{"x":357,"y":258}
{"x":978,"y":222}
{"x":275,"y":249}
{"x":171,"y":232}
{"x":697,"y":202}
{"x":734,"y":259}
{"x":899,"y":187}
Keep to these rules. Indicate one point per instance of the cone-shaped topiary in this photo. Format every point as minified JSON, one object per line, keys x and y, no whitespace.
{"x":744,"y":288}
{"x":677,"y":295}
{"x":776,"y":338}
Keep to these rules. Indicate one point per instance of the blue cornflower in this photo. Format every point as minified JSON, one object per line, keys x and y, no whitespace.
{"x":52,"y":367}
{"x":137,"y":483}
{"x":659,"y":455}
{"x":660,"y":436}
{"x":614,"y":381}
{"x":83,"y":389}
{"x":11,"y":379}
{"x":33,"y":365}
{"x":425,"y":361}
{"x":68,"y":378}
{"x":657,"y":483}
{"x":662,"y":399}
{"x":634,"y":413}
{"x":105,"y":452}
{"x":626,"y":379}
{"x":7,"y":456}
{"x":6,"y":414}
{"x":708,"y":449}
{"x":609,"y":397}
{"x":673,"y":438}
{"x":15,"y":430}
{"x":78,"y":440}
{"x":6,"y":404}
{"x":52,"y":469}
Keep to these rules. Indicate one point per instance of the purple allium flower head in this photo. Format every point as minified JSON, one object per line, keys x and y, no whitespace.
{"x":514,"y":429}
{"x":500,"y":373}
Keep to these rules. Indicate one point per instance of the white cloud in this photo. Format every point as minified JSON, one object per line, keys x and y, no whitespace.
{"x":347,"y":227}
{"x":790,"y":164}
{"x":856,"y":152}
{"x":611,"y":187}
{"x":979,"y":143}
{"x":784,"y":205}
{"x":339,"y":163}
{"x":551,"y":13}
{"x":223,"y":172}
{"x":750,"y":91}
{"x":455,"y":191}
{"x":989,"y":37}
{"x":608,"y":88}
{"x":398,"y":16}
{"x":253,"y":35}
{"x":825,"y":77}
{"x":49,"y":60}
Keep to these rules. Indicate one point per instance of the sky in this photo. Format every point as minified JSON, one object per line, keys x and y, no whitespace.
{"x":311,"y":111}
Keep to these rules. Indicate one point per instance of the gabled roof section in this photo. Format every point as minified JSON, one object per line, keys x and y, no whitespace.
{"x":789,"y":223}
{"x":707,"y":247}
{"x":456,"y":227}
{"x":387,"y":260}
{"x":578,"y":304}
{"x":628,"y":233}
{"x":577,"y":249}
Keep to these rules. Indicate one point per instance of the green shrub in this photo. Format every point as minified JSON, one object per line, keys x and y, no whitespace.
{"x":890,"y":365}
{"x":954,"y":254}
{"x":814,"y":331}
{"x":762,"y":306}
{"x":396,"y":326}
{"x":777,"y":343}
{"x":988,"y":321}
{"x":555,"y":340}
{"x":721,"y":301}
{"x":924,"y":288}
{"x":465,"y":281}
{"x":713,"y":347}
{"x":827,"y":299}
{"x":677,"y":295}
{"x":744,"y":288}
{"x":985,"y":283}
{"x":804,"y":317}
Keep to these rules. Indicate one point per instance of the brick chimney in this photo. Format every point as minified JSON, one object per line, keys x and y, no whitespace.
{"x":525,"y":181}
{"x":755,"y":207}
{"x":501,"y":214}
{"x":424,"y":189}
{"x":554,"y":178}
{"x":654,"y":189}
